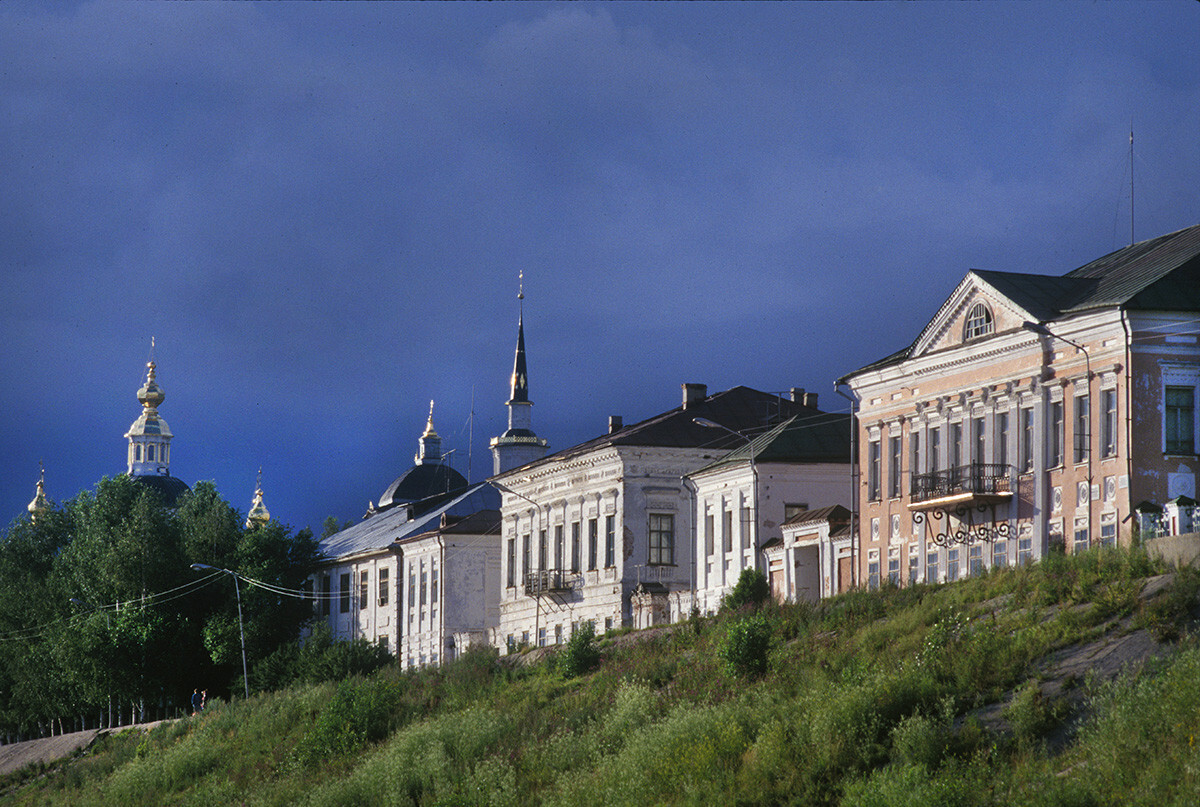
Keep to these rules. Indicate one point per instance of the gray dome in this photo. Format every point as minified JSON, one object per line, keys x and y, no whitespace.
{"x":421,"y":482}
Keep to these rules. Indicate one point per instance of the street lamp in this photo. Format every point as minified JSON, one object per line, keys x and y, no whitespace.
{"x":1042,"y":330}
{"x":712,"y":424}
{"x":201,"y":567}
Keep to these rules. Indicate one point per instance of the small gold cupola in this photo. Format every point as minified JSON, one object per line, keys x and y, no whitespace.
{"x":40,"y":504}
{"x":259,"y":515}
{"x":429,"y":447}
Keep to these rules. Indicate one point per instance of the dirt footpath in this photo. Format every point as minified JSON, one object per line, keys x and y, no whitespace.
{"x":15,"y":756}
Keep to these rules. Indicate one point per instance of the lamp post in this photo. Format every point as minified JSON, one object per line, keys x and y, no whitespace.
{"x":200,"y":567}
{"x":1041,"y":330}
{"x":712,"y":424}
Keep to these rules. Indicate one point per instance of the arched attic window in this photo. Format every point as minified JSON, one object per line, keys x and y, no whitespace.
{"x":979,"y":322}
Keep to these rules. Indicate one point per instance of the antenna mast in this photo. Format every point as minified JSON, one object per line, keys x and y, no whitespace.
{"x":1131,"y":240}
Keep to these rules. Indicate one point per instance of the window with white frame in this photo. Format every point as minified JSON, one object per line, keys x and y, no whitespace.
{"x":894,"y":567}
{"x":511,"y":560}
{"x":978,"y":440}
{"x":1026,"y":439}
{"x":931,"y":566}
{"x":1055,"y":459}
{"x":1180,"y":420}
{"x":894,"y":467}
{"x":873,"y":569}
{"x":1108,"y":423}
{"x":1080,"y":542}
{"x":745,"y":525}
{"x":1001,"y":440}
{"x":914,"y":565}
{"x":999,"y":554}
{"x":1082,"y":435}
{"x":979,"y":322}
{"x":576,"y":546}
{"x":1108,"y":529}
{"x":873,"y":470}
{"x":708,"y":534}
{"x":662,"y":539}
{"x":975,"y":560}
{"x":952,"y":564}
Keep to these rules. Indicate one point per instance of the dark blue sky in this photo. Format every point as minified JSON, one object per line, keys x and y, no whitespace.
{"x":319,"y":210}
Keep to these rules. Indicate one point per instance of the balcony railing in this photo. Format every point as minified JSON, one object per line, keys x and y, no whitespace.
{"x":979,"y":479}
{"x":547,"y":580}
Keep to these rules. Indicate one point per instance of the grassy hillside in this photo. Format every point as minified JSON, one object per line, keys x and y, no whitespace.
{"x":997,"y":690}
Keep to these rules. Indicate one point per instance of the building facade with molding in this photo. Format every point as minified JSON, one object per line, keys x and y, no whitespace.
{"x":742,"y":499}
{"x":1032,"y":411}
{"x":604,"y":532}
{"x":387,"y":579}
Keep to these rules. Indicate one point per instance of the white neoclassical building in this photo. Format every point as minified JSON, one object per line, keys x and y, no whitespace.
{"x":591,"y":530}
{"x":743,"y":499}
{"x":361,"y":589}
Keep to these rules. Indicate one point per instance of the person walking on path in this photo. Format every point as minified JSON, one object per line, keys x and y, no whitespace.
{"x":197,"y":702}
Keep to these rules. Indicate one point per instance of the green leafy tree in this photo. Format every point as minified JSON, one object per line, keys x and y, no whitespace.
{"x":97,"y":600}
{"x":751,"y":588}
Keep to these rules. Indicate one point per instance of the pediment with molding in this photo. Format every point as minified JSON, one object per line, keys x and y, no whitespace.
{"x":948,"y":328}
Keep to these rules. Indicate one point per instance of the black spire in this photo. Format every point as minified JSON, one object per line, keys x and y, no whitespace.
{"x":520,"y":382}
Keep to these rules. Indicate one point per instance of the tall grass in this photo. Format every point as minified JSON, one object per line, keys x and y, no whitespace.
{"x":871,"y":698}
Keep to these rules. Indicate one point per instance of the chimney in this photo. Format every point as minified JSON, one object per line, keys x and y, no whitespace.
{"x":810,"y":400}
{"x":694,"y":394}
{"x":614,"y":423}
{"x":797,"y":395}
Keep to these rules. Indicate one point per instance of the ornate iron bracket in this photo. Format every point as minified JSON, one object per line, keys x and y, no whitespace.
{"x":969,"y":531}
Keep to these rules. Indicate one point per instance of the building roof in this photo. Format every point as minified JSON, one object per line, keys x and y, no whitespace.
{"x":834,"y":513}
{"x":820,"y":437}
{"x":740,"y":409}
{"x":421,"y":482}
{"x":1160,"y":274}
{"x":483,"y":522}
{"x":397,"y":523}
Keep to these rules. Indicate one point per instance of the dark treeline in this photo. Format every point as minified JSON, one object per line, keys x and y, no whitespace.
{"x":102,"y":618}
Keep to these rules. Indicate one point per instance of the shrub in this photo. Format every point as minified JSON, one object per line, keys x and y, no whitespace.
{"x":747,"y":645}
{"x":580,"y":655}
{"x":360,"y":712}
{"x":751,"y":588}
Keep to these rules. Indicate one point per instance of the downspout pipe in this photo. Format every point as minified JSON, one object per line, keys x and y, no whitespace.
{"x":696,"y":548}
{"x":1129,"y":412}
{"x":854,"y":474}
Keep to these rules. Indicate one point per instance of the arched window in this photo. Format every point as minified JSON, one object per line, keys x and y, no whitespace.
{"x":979,"y":322}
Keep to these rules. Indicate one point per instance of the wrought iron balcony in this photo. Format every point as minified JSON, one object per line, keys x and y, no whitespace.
{"x":978,"y":483}
{"x":544,"y":581}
